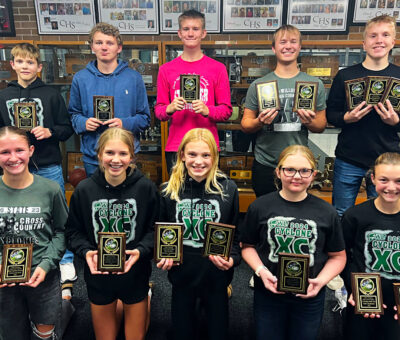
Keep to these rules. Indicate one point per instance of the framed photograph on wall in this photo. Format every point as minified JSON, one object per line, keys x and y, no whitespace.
{"x":365,"y":10}
{"x":130,"y":16}
{"x":7,"y":28}
{"x":171,"y":10}
{"x":319,"y":17}
{"x":65,"y":17}
{"x":252,"y":15}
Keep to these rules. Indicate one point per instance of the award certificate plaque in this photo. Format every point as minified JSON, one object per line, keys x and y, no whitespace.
{"x":168,"y":241}
{"x":190,"y":87}
{"x":103,"y":107}
{"x":111,"y":252}
{"x":355,"y":92}
{"x":218,"y":239}
{"x":393,"y":94}
{"x":396,"y":290}
{"x":293,"y":271}
{"x":305,"y":95}
{"x":16,"y":263}
{"x":25,"y":115}
{"x":367,"y":293}
{"x":376,"y":88}
{"x":268,"y":95}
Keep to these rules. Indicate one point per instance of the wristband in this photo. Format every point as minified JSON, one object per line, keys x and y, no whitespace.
{"x":257,"y":272}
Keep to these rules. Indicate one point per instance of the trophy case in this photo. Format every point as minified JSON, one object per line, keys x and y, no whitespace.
{"x":62,"y":59}
{"x":248,"y":60}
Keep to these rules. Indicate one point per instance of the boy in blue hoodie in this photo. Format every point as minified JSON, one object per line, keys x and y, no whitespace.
{"x":107,"y":76}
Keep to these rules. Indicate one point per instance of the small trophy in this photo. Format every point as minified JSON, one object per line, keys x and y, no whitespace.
{"x":190,"y":87}
{"x":376,"y":87}
{"x":393,"y":94}
{"x":25,"y":115}
{"x":16,"y":263}
{"x":305,"y":95}
{"x":218,"y":239}
{"x":103,"y":107}
{"x":396,"y":289}
{"x":293,"y":271}
{"x":168,"y":241}
{"x":268,"y":95}
{"x":111,"y":252}
{"x":355,"y":92}
{"x":367,"y":293}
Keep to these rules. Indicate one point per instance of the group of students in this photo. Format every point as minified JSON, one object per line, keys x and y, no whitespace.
{"x":117,"y":197}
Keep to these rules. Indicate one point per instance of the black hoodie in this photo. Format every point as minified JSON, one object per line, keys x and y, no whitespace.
{"x":130,"y":207}
{"x":194,"y":209}
{"x":51,"y":113}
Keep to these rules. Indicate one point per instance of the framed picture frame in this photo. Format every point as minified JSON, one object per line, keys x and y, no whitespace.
{"x":365,"y":10}
{"x":7,"y":28}
{"x":67,"y":17}
{"x":131,"y":16}
{"x":252,"y":15}
{"x":319,"y":18}
{"x":171,"y":10}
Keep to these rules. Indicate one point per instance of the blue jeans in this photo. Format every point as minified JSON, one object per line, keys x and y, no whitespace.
{"x":347,"y":180}
{"x":286,"y":317}
{"x":90,"y":168}
{"x":20,"y":305}
{"x":54,"y":172}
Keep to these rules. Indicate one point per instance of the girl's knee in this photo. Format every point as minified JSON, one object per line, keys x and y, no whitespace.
{"x":43,"y":331}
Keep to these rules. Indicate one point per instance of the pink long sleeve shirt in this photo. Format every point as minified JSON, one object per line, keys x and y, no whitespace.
{"x":214,"y":92}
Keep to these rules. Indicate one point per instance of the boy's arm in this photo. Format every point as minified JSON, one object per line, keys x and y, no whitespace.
{"x":62,"y":128}
{"x":336,"y":104}
{"x":75,"y":110}
{"x":163,"y":96}
{"x":222,"y":109}
{"x":140,"y":119}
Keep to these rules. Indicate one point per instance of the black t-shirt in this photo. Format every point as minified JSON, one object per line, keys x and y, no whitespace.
{"x":310,"y":227}
{"x":373,"y":245}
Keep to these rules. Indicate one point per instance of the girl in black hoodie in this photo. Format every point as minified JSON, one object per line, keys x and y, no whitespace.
{"x":117,"y":198}
{"x":198,"y":192}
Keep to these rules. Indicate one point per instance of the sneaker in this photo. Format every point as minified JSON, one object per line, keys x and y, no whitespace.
{"x":68,"y":273}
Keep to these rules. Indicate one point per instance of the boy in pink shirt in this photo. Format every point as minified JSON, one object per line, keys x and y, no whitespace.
{"x":214,"y":104}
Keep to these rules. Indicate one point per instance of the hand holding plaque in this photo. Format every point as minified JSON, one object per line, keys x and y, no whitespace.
{"x":396,"y":290}
{"x":168,"y":242}
{"x":268,"y":95}
{"x":293,"y":272}
{"x":376,"y":87}
{"x":355,"y":92}
{"x":111,"y":252}
{"x":103,"y":107}
{"x":393,"y":94}
{"x":367,"y":293}
{"x":16,"y":263}
{"x":190,"y":87}
{"x":218,"y":239}
{"x":305,"y":95}
{"x":25,"y":115}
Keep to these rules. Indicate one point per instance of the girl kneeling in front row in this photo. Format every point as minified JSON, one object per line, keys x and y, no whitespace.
{"x":271,"y":226}
{"x":116,"y":198}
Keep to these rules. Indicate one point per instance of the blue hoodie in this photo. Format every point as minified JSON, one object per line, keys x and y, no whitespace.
{"x":130,"y":103}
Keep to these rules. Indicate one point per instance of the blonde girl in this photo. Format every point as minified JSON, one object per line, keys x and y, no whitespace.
{"x":117,"y":198}
{"x":32,"y":210}
{"x":372,"y":234}
{"x":271,"y":226}
{"x":196,"y":193}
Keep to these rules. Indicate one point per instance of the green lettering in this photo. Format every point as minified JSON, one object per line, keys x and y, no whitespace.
{"x":283,"y":244}
{"x":297,"y":245}
{"x":381,"y":260}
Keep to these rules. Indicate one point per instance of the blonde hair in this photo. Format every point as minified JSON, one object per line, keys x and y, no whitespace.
{"x":177,"y":180}
{"x":387,"y":158}
{"x":291,"y":151}
{"x":25,"y":50}
{"x":192,"y":14}
{"x":382,"y":19}
{"x":116,"y":133}
{"x":285,"y":29}
{"x":106,"y":29}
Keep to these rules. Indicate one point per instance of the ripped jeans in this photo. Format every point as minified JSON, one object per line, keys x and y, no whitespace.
{"x":21,"y":308}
